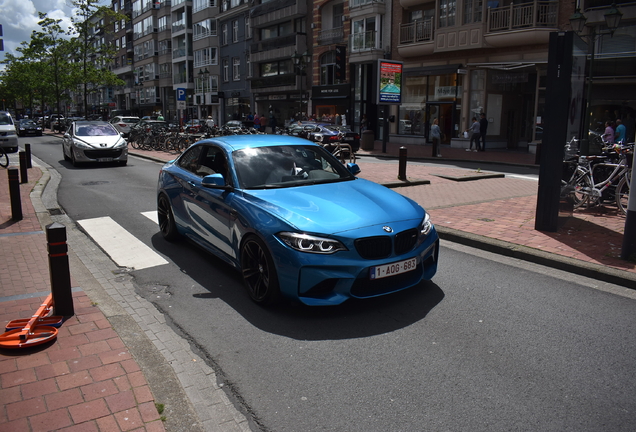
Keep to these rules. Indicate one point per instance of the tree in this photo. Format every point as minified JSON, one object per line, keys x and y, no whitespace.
{"x":94,"y":55}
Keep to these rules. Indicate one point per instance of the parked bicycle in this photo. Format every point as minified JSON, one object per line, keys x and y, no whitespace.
{"x":597,"y":179}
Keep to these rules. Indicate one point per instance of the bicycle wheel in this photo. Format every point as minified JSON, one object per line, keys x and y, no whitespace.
{"x":4,"y":158}
{"x":622,"y":193}
{"x":581,"y":191}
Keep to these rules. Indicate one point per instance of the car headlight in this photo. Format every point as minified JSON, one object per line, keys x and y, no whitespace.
{"x":426,"y":225}
{"x":310,"y":244}
{"x":121,"y":143}
{"x":82,"y":145}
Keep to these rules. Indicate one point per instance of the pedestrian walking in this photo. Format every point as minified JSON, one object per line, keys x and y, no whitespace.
{"x":257,"y":122}
{"x":608,"y":136}
{"x":474,"y":135}
{"x":620,"y":131}
{"x":436,"y":134}
{"x":483,"y":129}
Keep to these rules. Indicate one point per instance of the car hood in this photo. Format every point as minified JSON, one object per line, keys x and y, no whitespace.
{"x":100,"y":141}
{"x":336,"y":207}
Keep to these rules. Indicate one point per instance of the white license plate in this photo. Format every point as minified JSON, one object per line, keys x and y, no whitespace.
{"x":104,"y":159}
{"x":396,"y":268}
{"x":348,"y":139}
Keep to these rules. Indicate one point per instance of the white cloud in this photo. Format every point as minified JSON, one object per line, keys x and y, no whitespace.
{"x":19,"y":18}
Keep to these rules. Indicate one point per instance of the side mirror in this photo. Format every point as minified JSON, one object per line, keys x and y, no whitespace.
{"x":215,"y":181}
{"x":353,"y":168}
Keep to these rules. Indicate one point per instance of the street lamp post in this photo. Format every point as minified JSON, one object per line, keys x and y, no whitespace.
{"x":301,"y":61}
{"x":578,"y":22}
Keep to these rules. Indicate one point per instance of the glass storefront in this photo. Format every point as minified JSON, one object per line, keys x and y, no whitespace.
{"x":429,"y":97}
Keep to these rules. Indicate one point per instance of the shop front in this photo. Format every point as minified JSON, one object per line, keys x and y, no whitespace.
{"x":331,"y":104}
{"x":429,"y":94}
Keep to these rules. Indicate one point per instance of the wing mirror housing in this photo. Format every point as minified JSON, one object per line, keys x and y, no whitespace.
{"x":215,"y":181}
{"x":353,"y":168}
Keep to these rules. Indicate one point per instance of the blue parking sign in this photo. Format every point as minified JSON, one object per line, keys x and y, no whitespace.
{"x":181,"y":94}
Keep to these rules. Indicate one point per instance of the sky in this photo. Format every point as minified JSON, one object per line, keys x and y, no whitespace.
{"x":20,"y":17}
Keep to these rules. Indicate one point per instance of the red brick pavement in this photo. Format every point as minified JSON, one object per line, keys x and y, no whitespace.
{"x":84,"y":380}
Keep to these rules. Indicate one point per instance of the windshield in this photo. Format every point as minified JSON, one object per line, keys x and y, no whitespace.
{"x":96,"y":130}
{"x":286,"y":166}
{"x":5,"y":119}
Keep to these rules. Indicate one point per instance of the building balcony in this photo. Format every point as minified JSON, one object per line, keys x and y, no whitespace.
{"x":277,"y":11}
{"x":122,"y":70}
{"x":277,"y":48}
{"x":331,"y":36}
{"x":508,"y":26}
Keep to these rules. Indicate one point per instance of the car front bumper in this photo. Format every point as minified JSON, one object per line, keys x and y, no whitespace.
{"x":322,"y":280}
{"x":101,"y":155}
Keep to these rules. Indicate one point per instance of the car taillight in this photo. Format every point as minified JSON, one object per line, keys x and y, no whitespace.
{"x":333,"y":138}
{"x":122,"y":124}
{"x":356,"y":136}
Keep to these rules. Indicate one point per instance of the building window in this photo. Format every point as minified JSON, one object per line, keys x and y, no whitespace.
{"x":282,"y":67}
{"x":226,"y":70}
{"x":224,"y":34}
{"x":327,"y":68}
{"x":472,"y":11}
{"x":338,"y":13}
{"x":236,"y":69}
{"x":447,"y":13}
{"x":248,"y":29}
{"x":248,"y":65}
{"x":235,"y":32}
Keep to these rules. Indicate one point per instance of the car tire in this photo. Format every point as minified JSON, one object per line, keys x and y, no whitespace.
{"x":73,"y":160}
{"x":66,"y":158}
{"x":165,"y":217}
{"x":258,"y":272}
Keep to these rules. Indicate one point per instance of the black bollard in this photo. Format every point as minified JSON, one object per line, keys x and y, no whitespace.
{"x":27,"y":149}
{"x":14,"y":193}
{"x":24,"y":173}
{"x":402,"y":165}
{"x":59,"y":270}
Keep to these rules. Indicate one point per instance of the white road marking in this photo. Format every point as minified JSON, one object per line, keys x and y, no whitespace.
{"x":152,"y":215}
{"x":123,"y":247}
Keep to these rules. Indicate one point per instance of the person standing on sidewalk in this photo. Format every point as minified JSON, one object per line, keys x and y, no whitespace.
{"x":436,"y":134}
{"x":483,"y":128}
{"x":474,"y":135}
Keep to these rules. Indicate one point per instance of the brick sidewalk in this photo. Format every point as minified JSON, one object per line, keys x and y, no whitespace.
{"x":84,"y":380}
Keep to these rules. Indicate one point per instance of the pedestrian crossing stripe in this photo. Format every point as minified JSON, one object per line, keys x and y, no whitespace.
{"x":123,"y":248}
{"x":152,"y":215}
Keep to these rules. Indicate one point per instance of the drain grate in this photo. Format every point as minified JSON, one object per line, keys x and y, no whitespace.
{"x":55,"y":212}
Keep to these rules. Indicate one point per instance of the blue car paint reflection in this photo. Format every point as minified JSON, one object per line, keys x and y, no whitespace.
{"x":310,"y":194}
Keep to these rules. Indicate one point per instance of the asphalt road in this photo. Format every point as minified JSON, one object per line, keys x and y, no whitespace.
{"x":491,"y":344}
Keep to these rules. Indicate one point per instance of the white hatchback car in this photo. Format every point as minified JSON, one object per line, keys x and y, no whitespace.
{"x":94,"y":141}
{"x":8,"y":133}
{"x":123,"y":123}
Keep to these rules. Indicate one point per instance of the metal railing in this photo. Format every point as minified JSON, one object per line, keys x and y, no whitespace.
{"x":331,"y":36}
{"x":417,"y":31}
{"x":364,"y":41}
{"x":525,"y":15}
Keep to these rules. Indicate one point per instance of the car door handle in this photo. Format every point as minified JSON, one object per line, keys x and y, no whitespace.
{"x":191,"y":183}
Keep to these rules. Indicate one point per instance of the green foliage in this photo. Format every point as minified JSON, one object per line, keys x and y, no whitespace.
{"x":56,"y":63}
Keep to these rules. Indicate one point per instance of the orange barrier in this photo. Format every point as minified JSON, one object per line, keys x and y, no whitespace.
{"x":33,"y":333}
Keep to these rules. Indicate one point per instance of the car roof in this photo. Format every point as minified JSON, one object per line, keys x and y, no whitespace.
{"x":92,"y":122}
{"x":240,"y":142}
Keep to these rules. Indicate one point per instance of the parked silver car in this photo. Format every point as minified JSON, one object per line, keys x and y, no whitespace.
{"x":94,"y":141}
{"x":124,"y":123}
{"x":8,"y":132}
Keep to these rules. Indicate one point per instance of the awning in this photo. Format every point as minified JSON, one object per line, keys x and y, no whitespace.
{"x":432,"y":70}
{"x":506,"y":66}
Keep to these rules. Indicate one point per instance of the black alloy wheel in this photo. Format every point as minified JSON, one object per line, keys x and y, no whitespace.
{"x":166,"y":219}
{"x":258,"y":271}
